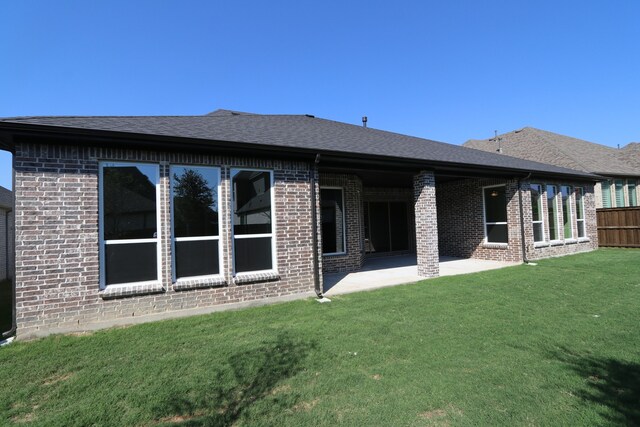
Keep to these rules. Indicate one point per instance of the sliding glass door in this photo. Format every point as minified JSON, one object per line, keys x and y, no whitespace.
{"x":386,"y":227}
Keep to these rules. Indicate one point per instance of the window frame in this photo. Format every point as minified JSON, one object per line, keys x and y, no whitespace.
{"x":174,"y":239}
{"x":344,"y":219}
{"x":103,"y":243}
{"x":484,"y":216}
{"x":605,"y":189}
{"x":619,"y":190}
{"x":578,"y":219}
{"x":274,"y":258}
{"x":569,"y":203}
{"x":632,"y":183}
{"x":542,"y":195}
{"x":557,"y":213}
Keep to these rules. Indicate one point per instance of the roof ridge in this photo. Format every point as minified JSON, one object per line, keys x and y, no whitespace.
{"x":222,"y":112}
{"x":93,"y":117}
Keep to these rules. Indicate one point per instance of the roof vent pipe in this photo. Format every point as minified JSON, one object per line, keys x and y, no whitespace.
{"x":364,"y":121}
{"x":499,"y":150}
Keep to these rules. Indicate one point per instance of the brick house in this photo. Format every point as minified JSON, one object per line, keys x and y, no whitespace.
{"x":132,"y":216}
{"x":619,"y":168}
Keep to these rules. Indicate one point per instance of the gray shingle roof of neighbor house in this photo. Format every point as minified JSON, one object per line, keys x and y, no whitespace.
{"x":630,"y":153}
{"x":548,"y":147}
{"x":289,"y":132}
{"x":6,"y":198}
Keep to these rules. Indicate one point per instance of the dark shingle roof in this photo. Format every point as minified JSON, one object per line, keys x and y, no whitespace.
{"x":560,"y":150}
{"x":296,"y":132}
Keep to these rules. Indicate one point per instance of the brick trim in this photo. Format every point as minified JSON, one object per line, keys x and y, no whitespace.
{"x":120,"y":291}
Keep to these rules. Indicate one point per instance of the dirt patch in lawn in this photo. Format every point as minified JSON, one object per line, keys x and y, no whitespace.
{"x":56,"y":378}
{"x":306,"y":406}
{"x":440,"y":416}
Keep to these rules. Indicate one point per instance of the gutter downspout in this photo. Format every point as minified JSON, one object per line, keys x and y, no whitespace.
{"x":314,"y":225}
{"x":522,"y":243}
{"x":11,"y":332}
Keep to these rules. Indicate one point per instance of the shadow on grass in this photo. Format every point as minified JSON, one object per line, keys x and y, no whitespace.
{"x":609,"y":382}
{"x":248,"y":378}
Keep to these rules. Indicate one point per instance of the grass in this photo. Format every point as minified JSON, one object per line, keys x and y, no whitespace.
{"x":6,"y":301}
{"x":552,"y":344}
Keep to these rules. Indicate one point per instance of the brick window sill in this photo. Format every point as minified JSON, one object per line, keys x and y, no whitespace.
{"x":123,"y":291}
{"x":199,"y":283}
{"x":495,"y":245}
{"x":263,"y":276}
{"x":538,"y":245}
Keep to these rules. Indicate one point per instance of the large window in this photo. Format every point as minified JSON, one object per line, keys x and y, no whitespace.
{"x":606,"y":194}
{"x":537,"y":213}
{"x":333,"y":221}
{"x":195,"y":209}
{"x":552,"y":212}
{"x":566,"y":191}
{"x":495,"y":214}
{"x":633,"y":195}
{"x":128,"y":223}
{"x":580,"y":213}
{"x":252,"y":220}
{"x":619,"y":185}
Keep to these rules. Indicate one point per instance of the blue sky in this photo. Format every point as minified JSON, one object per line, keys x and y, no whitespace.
{"x":448,"y":71}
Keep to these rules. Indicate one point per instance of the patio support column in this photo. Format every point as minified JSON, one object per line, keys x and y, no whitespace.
{"x":424,"y":190}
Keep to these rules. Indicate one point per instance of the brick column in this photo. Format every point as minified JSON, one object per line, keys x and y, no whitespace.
{"x":424,"y":191}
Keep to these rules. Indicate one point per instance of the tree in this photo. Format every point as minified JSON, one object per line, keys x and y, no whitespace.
{"x":195,"y":205}
{"x":193,"y":187}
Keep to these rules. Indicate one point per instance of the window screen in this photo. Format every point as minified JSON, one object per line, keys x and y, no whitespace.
{"x":129,"y":223}
{"x":195,"y":220}
{"x":252,"y":220}
{"x":495,"y":212}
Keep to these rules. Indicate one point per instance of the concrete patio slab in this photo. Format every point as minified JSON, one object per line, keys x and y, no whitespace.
{"x":390,"y":271}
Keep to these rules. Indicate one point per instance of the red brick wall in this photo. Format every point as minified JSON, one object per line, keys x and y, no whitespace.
{"x":57,"y":249}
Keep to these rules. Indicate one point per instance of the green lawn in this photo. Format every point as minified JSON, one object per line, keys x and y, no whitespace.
{"x":6,"y":300}
{"x":552,"y":344}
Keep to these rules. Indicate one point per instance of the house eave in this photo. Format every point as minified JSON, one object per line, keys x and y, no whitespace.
{"x":11,"y":132}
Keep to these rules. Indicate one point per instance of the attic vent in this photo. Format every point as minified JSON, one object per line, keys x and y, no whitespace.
{"x":310,"y":116}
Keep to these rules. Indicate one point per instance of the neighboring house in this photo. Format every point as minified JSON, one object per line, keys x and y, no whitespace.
{"x":6,"y":234}
{"x":620,"y":173}
{"x":131,"y":216}
{"x":630,"y":153}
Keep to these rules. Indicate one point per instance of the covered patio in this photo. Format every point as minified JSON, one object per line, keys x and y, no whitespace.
{"x":396,"y":270}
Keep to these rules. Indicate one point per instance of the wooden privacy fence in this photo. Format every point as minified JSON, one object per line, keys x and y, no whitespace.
{"x":619,"y":227}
